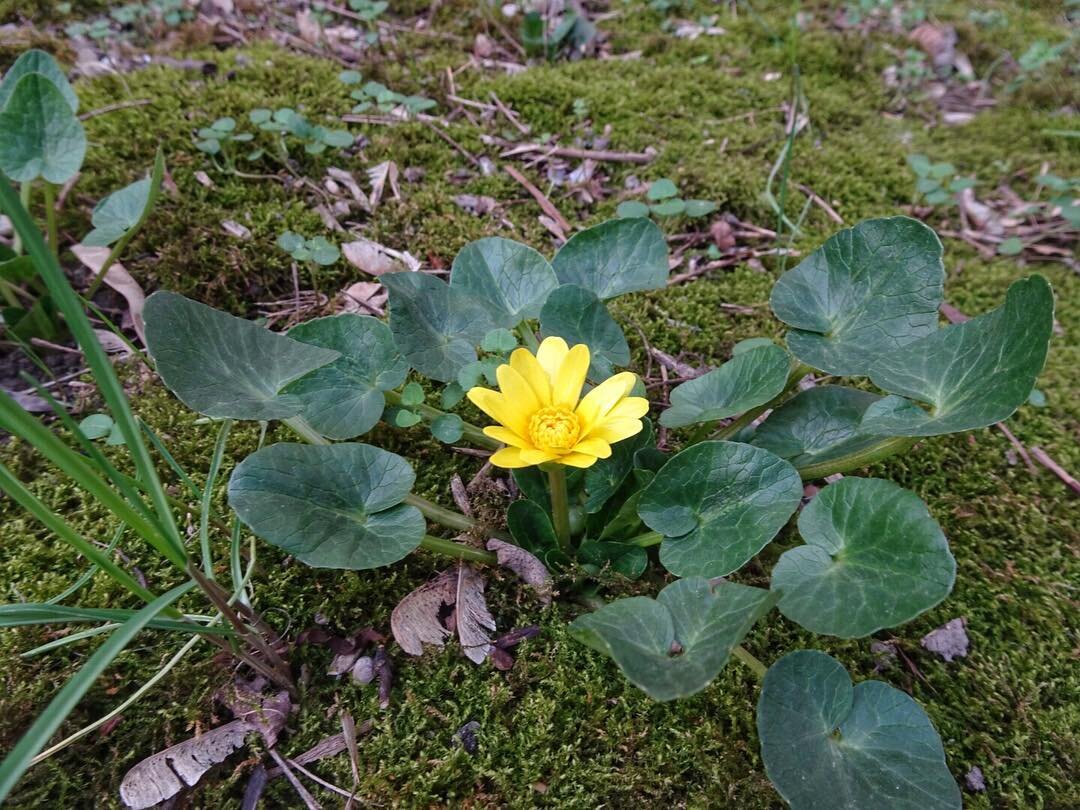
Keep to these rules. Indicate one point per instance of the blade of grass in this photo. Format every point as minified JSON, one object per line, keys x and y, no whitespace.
{"x":174,"y":465}
{"x":89,"y":573}
{"x":208,"y":497}
{"x":32,"y":613}
{"x":34,"y":739}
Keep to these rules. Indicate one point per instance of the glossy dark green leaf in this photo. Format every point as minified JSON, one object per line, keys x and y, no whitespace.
{"x":36,"y":61}
{"x":828,"y":745}
{"x":344,"y":399}
{"x":42,"y":136}
{"x":620,"y":558}
{"x":867,"y":292}
{"x":578,"y":316}
{"x":818,"y":425}
{"x":874,"y":558}
{"x":603,"y":479}
{"x":118,"y":213}
{"x":615,"y":257}
{"x":447,"y":428}
{"x":717,"y":505}
{"x":971,"y":374}
{"x":437,"y":327}
{"x":530,"y":525}
{"x":511,"y":279}
{"x":223,"y":366}
{"x":330,"y":506}
{"x":18,"y":269}
{"x":673,"y":646}
{"x":626,"y":522}
{"x":745,"y":381}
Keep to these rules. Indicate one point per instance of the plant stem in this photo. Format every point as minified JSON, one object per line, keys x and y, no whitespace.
{"x":560,"y":506}
{"x":50,"y":218}
{"x":858,"y":459}
{"x":470,"y":432}
{"x":646,"y":540}
{"x":745,"y":657}
{"x":24,"y":197}
{"x":528,"y":336}
{"x":459,"y":551}
{"x":305,"y":431}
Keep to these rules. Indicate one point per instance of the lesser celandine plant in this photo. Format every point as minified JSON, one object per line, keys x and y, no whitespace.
{"x":599,"y":497}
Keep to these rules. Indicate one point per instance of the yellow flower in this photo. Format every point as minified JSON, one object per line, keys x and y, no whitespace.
{"x":542,"y":416}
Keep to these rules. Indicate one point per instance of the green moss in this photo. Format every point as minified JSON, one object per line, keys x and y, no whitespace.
{"x":563,"y":729}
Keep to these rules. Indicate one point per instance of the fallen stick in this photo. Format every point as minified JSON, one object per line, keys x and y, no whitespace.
{"x":544,"y":203}
{"x":603,"y":155}
{"x":1056,"y":469}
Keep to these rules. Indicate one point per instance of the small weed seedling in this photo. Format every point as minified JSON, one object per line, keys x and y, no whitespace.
{"x":1065,"y":194}
{"x":665,"y":202}
{"x":569,"y":37}
{"x":938,"y":183}
{"x":382,"y":98}
{"x":314,"y":253}
{"x":288,"y":122}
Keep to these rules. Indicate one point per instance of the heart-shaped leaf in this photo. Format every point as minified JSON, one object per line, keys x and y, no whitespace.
{"x":511,"y":279}
{"x":603,"y":479}
{"x":673,"y":646}
{"x":622,"y":558}
{"x":615,"y":257}
{"x":344,"y":399}
{"x":817,"y":425}
{"x":867,"y":292}
{"x":745,"y":381}
{"x":40,"y":62}
{"x":532,"y":529}
{"x":828,"y":745}
{"x":330,"y":506}
{"x":578,"y":316}
{"x":874,"y":558}
{"x":437,"y":327}
{"x":223,"y":366}
{"x":118,"y":213}
{"x":972,"y":374}
{"x":717,"y":505}
{"x":42,"y":136}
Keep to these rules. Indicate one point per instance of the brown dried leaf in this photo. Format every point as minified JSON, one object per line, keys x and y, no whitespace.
{"x":308,"y":26}
{"x":417,"y":618}
{"x":161,"y":776}
{"x":938,"y":42}
{"x":525,"y":565}
{"x":368,"y":297}
{"x":120,"y":280}
{"x":371,"y":257}
{"x":382,"y":175}
{"x":234,"y":228}
{"x":472,"y":616}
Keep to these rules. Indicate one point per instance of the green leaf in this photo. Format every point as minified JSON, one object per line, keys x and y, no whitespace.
{"x":874,"y":558}
{"x":18,"y":269}
{"x":344,"y":399}
{"x":404,"y":418}
{"x":412,"y":395}
{"x":451,"y":396}
{"x":604,"y":478}
{"x":330,"y":506}
{"x":96,"y":426}
{"x":447,"y":428}
{"x":322,"y":251}
{"x":115,"y":215}
{"x":41,"y":63}
{"x":627,"y":522}
{"x":223,"y":366}
{"x":669,"y":208}
{"x":971,"y":374}
{"x":1037,"y":398}
{"x":615,"y":257}
{"x":818,"y":425}
{"x":42,"y":136}
{"x":1013,"y":246}
{"x":828,"y":745}
{"x":749,"y":344}
{"x":290,"y":242}
{"x":631,"y":208}
{"x":349,"y":77}
{"x":499,"y":341}
{"x":699,"y":208}
{"x":920,"y":164}
{"x":436,"y":326}
{"x":259,"y":115}
{"x":578,"y":316}
{"x":511,"y":279}
{"x":621,"y":558}
{"x":867,"y":292}
{"x":745,"y":381}
{"x":531,"y":527}
{"x":717,"y":505}
{"x":641,"y":634}
{"x":661,"y":189}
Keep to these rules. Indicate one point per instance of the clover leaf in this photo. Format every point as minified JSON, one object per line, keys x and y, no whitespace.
{"x":673,"y":646}
{"x":330,"y":506}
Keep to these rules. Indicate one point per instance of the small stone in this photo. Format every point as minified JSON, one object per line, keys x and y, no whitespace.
{"x":974,"y":780}
{"x":949,"y":641}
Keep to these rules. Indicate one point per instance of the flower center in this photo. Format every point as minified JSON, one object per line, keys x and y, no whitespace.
{"x":554,"y":428}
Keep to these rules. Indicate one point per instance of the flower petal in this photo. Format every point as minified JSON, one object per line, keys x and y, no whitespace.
{"x":577,"y":460}
{"x":495,"y":405}
{"x":593,"y":447}
{"x":615,"y":430}
{"x":533,"y":456}
{"x":567,"y":384}
{"x":518,"y":394}
{"x":506,"y":436}
{"x":629,"y":408}
{"x":597,"y":403}
{"x":525,"y":363}
{"x":508,"y":458}
{"x":550,"y":356}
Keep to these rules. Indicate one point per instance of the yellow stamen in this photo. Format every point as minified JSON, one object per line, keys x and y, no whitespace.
{"x":554,"y":428}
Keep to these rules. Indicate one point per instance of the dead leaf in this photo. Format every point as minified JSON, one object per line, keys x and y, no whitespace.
{"x":937,"y":41}
{"x":364,"y":296}
{"x":161,"y":776}
{"x":204,"y":179}
{"x":482,"y":47}
{"x":120,"y":280}
{"x":236,"y":229}
{"x":525,"y":565}
{"x":308,"y":26}
{"x":111,"y":342}
{"x":371,"y":257}
{"x":29,"y":402}
{"x":363,"y":670}
{"x":418,"y":618}
{"x":382,"y":175}
{"x":347,"y":180}
{"x":949,"y":641}
{"x":474,"y":204}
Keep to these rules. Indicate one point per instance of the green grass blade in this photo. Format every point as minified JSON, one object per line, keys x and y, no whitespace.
{"x":36,"y":737}
{"x":174,"y":465}
{"x":22,"y":614}
{"x":71,"y":639}
{"x":89,"y":573}
{"x":108,"y":383}
{"x":208,"y":496}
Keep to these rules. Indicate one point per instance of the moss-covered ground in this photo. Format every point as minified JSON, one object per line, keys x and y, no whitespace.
{"x":563,"y":728}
